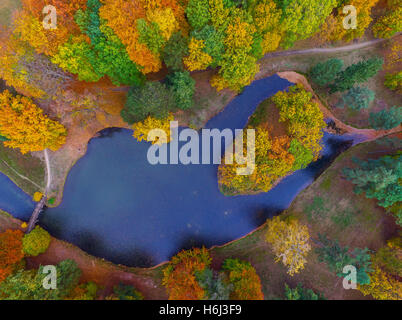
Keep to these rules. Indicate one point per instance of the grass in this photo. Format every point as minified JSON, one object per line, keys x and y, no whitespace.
{"x":13,"y":164}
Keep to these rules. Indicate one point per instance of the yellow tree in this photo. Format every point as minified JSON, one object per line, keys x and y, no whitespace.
{"x":141,"y":129}
{"x":197,"y":58}
{"x":26,"y":127}
{"x":290,"y":243}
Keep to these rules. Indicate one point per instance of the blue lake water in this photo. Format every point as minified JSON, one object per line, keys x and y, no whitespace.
{"x":118,"y":206}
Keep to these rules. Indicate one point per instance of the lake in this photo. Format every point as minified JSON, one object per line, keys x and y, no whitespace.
{"x":119,"y":207}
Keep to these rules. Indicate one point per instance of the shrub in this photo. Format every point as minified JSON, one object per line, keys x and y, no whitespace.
{"x":36,"y":242}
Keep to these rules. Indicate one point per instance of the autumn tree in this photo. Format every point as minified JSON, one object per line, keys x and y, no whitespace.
{"x":391,"y":23}
{"x":290,"y":243}
{"x":26,"y":127}
{"x":179,"y":275}
{"x":245,"y":280}
{"x":385,"y":281}
{"x":11,"y":252}
{"x":394,"y":81}
{"x":302,"y":18}
{"x":142,"y":129}
{"x":36,"y":242}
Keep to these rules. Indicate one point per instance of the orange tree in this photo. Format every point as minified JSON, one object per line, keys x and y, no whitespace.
{"x":179,"y":275}
{"x":10,"y":251}
{"x":245,"y":280}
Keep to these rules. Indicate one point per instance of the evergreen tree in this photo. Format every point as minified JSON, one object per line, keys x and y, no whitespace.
{"x":378,"y":179}
{"x":182,"y":86}
{"x":325,"y":72}
{"x":357,"y":98}
{"x":301,"y":293}
{"x":356,"y":73}
{"x":386,"y":119}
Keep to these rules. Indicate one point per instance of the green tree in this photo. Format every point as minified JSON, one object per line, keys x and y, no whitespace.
{"x":386,"y":119}
{"x":337,"y":257}
{"x":214,"y":45}
{"x":325,"y":72}
{"x":356,"y":73}
{"x":303,"y":156}
{"x":378,"y":179}
{"x":174,"y":50}
{"x":182,"y":86}
{"x":357,"y":98}
{"x":214,"y":284}
{"x":153,"y":99}
{"x":28,"y":284}
{"x":36,"y":242}
{"x":127,"y":292}
{"x":301,"y":293}
{"x":394,"y":81}
{"x":197,"y":12}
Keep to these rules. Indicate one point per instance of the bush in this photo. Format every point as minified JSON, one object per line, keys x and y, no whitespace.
{"x":36,"y":242}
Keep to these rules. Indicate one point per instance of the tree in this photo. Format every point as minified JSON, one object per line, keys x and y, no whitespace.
{"x":127,"y":292}
{"x":303,"y":115}
{"x":301,"y":293}
{"x":394,"y":81}
{"x":142,"y":128}
{"x":214,"y":284}
{"x":197,"y":12}
{"x":182,"y":86}
{"x":378,"y":179}
{"x":179,"y":276}
{"x":153,"y":99}
{"x":357,"y":98}
{"x":356,"y":73}
{"x":245,"y":280}
{"x":175,"y":49}
{"x":28,"y":284}
{"x":302,"y":18}
{"x":325,"y":72}
{"x":26,"y":127}
{"x":36,"y":242}
{"x":197,"y":58}
{"x":10,"y":252}
{"x":290,"y":243}
{"x":389,"y":24}
{"x":337,"y":257}
{"x":386,"y":119}
{"x":382,"y":286}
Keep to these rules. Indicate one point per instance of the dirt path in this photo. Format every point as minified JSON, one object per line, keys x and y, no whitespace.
{"x":351,"y":47}
{"x":364,"y":134}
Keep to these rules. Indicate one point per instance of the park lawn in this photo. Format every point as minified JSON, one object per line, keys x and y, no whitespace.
{"x":329,"y":206}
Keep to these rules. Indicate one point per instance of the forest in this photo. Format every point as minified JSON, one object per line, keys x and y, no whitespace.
{"x":141,"y":64}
